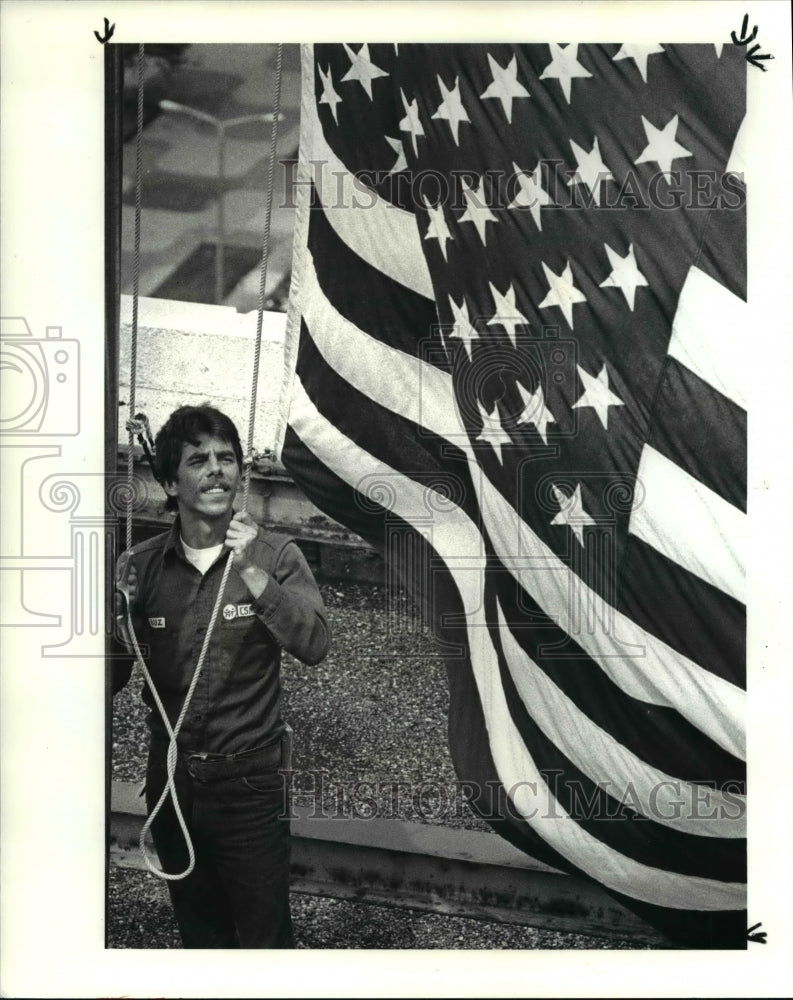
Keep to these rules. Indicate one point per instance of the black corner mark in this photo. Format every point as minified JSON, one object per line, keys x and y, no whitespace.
{"x":109,"y":29}
{"x":753,"y":59}
{"x":745,"y":39}
{"x":759,"y":937}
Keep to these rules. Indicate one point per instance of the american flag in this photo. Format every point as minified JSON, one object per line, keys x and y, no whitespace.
{"x":516,"y":321}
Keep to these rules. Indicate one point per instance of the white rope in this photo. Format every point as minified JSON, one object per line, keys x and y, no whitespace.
{"x":268,"y":207}
{"x":173,"y":732}
{"x":133,"y":345}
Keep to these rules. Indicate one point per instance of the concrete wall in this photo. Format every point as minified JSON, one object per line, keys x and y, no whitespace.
{"x":192,"y":353}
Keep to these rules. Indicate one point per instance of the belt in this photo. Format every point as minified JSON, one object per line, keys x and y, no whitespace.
{"x":275,"y":755}
{"x":218,"y":767}
{"x":268,"y":751}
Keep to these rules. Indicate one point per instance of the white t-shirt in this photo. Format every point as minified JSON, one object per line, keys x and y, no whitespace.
{"x":202,"y":559}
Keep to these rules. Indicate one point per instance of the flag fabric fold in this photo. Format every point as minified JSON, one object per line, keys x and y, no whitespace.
{"x":518,"y":291}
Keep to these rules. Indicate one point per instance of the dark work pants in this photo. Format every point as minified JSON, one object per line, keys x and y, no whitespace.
{"x":237,"y":896}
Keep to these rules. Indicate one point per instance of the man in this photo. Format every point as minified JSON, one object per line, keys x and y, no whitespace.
{"x":228,"y":780}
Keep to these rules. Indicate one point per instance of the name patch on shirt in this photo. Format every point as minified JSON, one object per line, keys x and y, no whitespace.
{"x":232,"y":611}
{"x":156,"y":623}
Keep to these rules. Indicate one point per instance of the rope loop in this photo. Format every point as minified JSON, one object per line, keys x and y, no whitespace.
{"x":173,"y":734}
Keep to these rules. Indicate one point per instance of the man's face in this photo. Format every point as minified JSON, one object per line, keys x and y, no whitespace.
{"x":207,"y":478}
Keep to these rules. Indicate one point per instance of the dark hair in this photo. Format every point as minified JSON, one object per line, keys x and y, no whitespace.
{"x":184,"y":426}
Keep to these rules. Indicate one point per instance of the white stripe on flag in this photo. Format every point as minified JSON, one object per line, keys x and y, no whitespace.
{"x":394,"y":379}
{"x":690,"y":524}
{"x":709,"y":334}
{"x":384,"y":235}
{"x":638,"y":662}
{"x":672,"y":802}
{"x":455,"y":537}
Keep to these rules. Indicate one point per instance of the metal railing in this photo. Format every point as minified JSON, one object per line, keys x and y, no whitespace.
{"x":420,"y":866}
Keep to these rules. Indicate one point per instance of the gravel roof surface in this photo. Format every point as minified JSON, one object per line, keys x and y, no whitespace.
{"x":373,"y":711}
{"x":140,"y":916}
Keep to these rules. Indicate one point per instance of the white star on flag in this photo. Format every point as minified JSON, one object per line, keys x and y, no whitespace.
{"x":625,"y":274}
{"x":462,"y":325}
{"x":535,"y":411}
{"x":329,"y":95}
{"x":411,"y":122}
{"x":477,"y":211}
{"x":592,"y":171}
{"x":597,"y":394}
{"x":572,"y":512}
{"x":451,"y":108}
{"x":531,"y":194}
{"x":492,"y":431}
{"x":662,"y":145}
{"x":401,"y":162}
{"x":639,"y":52}
{"x":506,"y":312}
{"x":564,"y":66}
{"x":437,"y":230}
{"x":362,"y":68}
{"x":505,"y":85}
{"x":562,"y":292}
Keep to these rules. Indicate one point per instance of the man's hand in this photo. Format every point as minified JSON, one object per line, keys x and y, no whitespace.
{"x":241,"y":539}
{"x":126,"y":585}
{"x":126,"y":595}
